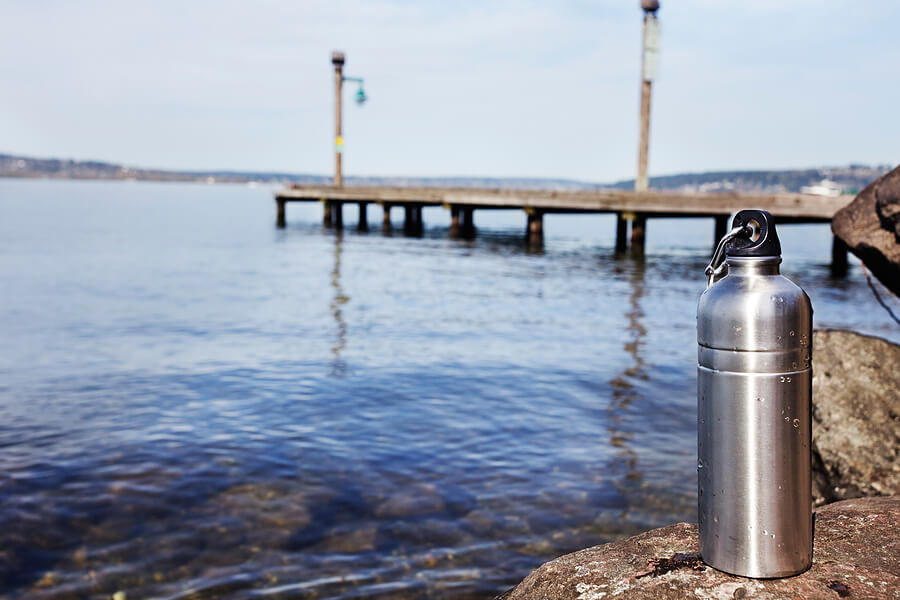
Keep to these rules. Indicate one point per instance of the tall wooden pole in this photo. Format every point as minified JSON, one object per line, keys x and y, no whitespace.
{"x":641,"y":184}
{"x":649,"y":50}
{"x":337,"y":59}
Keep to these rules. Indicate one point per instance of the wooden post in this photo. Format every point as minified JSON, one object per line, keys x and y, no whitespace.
{"x":839,"y":263}
{"x":454,"y":221}
{"x":327,"y":213}
{"x":386,"y":219}
{"x":337,"y":59}
{"x":409,"y":218}
{"x":621,"y":233}
{"x":280,"y":220}
{"x":417,"y":212}
{"x":641,"y":184}
{"x":648,"y":67}
{"x":338,"y":210}
{"x":638,"y":226}
{"x":468,"y":221}
{"x":535,"y":227}
{"x":363,"y":223}
{"x":721,"y":229}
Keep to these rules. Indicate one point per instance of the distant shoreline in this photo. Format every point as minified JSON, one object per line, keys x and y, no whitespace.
{"x":851,"y":178}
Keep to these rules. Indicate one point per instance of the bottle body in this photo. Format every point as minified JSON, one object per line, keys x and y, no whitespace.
{"x":754,"y":332}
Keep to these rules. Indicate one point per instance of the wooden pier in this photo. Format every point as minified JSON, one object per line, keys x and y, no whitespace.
{"x":632,"y":208}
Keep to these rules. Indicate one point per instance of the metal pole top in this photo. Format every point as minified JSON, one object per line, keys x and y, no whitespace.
{"x":337,"y":58}
{"x":650,"y":6}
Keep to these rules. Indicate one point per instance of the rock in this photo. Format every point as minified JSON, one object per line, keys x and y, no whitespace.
{"x":355,"y":541}
{"x":856,"y":555}
{"x":856,"y":416}
{"x":415,"y":500}
{"x":870,"y":226}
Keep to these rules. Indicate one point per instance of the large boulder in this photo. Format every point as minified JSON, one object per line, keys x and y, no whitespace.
{"x":856,"y":416}
{"x":856,"y":555}
{"x":870,"y":226}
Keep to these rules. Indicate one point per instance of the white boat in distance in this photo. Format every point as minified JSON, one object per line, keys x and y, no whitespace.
{"x":826,"y":187}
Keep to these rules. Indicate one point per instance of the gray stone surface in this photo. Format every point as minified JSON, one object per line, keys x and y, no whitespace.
{"x":870,"y":226}
{"x":856,"y":416}
{"x":856,"y":555}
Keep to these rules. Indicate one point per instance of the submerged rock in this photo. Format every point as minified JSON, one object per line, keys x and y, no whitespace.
{"x":415,"y":500}
{"x":856,"y":416}
{"x":856,"y":555}
{"x":870,"y":226}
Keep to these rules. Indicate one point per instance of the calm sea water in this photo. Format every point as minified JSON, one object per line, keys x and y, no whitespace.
{"x":195,"y":404}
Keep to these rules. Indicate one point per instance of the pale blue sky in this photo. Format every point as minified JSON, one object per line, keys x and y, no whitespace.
{"x":490,"y":88}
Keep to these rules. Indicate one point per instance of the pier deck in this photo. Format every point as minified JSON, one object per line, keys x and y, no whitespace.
{"x":631,"y":207}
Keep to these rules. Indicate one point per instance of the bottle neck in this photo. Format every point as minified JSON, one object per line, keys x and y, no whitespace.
{"x":748,"y":266}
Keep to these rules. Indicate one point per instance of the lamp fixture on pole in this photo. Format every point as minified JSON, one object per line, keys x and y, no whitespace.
{"x":338,"y":59}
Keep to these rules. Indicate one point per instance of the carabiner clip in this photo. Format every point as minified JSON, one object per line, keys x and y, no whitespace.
{"x":716,"y":265}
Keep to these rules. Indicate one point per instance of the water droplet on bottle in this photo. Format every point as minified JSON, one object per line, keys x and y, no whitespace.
{"x":760,"y":399}
{"x":792,"y":333}
{"x":716,"y":519}
{"x":750,"y":527}
{"x":765,"y":532}
{"x":773,"y":536}
{"x":796,"y":423}
{"x":786,"y":419}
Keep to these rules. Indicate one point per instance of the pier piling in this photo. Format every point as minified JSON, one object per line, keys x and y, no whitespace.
{"x":280,"y":220}
{"x":535,"y":227}
{"x":721,"y":229}
{"x":363,"y":224}
{"x":386,"y":218}
{"x":621,"y":233}
{"x":454,"y":221}
{"x":468,"y":221}
{"x":638,"y":227}
{"x":839,"y":263}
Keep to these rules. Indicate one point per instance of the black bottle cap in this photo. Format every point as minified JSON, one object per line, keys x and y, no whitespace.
{"x":759,"y":238}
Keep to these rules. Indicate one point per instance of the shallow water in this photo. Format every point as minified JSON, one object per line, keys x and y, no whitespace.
{"x":195,"y":404}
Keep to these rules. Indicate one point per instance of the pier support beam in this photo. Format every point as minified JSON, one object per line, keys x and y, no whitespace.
{"x":838,"y":257}
{"x":621,"y":233}
{"x":362,"y":223}
{"x":386,"y":219}
{"x":327,"y":213}
{"x":412,"y":219}
{"x":280,"y":220}
{"x":638,"y":233}
{"x":468,"y":221}
{"x":535,"y":227}
{"x":337,"y":209}
{"x":721,"y":229}
{"x":454,"y":221}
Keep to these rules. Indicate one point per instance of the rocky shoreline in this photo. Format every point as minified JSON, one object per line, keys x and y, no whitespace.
{"x":856,"y":485}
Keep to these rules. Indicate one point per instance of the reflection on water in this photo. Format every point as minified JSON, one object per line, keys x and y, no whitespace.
{"x":339,"y":366}
{"x":624,"y":392}
{"x":178,"y":418}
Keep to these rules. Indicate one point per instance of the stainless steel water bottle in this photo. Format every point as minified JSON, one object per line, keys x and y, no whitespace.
{"x":754,"y":332}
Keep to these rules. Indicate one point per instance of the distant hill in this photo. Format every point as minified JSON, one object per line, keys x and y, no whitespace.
{"x":851,"y":178}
